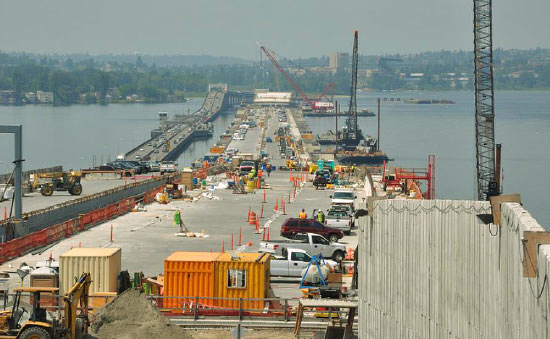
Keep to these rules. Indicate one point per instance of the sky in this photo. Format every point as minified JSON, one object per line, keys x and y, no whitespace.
{"x":293,"y":28}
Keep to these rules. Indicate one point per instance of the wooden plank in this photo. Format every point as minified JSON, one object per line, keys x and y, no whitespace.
{"x":497,"y":200}
{"x":531,"y":242}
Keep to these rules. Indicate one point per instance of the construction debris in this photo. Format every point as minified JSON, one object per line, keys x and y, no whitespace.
{"x":132,"y":316}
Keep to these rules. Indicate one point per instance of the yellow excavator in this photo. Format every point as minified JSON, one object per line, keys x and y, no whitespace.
{"x":67,"y":324}
{"x":57,"y":181}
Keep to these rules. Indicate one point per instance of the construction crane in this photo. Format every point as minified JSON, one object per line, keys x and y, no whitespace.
{"x":351,"y":135}
{"x":312,"y":103}
{"x":488,"y":179}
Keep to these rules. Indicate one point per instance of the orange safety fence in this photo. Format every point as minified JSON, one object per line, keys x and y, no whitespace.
{"x":17,"y":247}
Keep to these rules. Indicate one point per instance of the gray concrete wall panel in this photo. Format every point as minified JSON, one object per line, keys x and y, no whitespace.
{"x":433,"y":269}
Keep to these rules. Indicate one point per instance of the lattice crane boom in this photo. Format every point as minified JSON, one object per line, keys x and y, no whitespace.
{"x":487,"y":184}
{"x":351,"y":121}
{"x":285,"y":74}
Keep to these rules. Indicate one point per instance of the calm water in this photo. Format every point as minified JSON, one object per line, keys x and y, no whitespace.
{"x":410,"y":132}
{"x":71,"y":136}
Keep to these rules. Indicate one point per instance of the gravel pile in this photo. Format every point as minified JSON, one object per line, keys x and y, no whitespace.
{"x":132,"y":316}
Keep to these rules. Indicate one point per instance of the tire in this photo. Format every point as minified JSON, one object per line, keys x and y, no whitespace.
{"x":46,"y":191}
{"x":76,"y":189}
{"x":35,"y":332}
{"x":333,"y":237}
{"x":338,"y":256}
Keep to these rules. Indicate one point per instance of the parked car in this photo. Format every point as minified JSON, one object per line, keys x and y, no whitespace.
{"x":167,"y":167}
{"x":123,"y":165}
{"x":144,"y":168}
{"x":155,"y":166}
{"x":313,"y":244}
{"x":344,"y":197}
{"x":293,"y":226}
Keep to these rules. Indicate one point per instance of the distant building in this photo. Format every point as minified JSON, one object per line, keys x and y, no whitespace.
{"x":44,"y":97}
{"x":262,"y":97}
{"x":322,"y":70}
{"x":30,"y":97}
{"x":339,"y":60}
{"x":455,"y":79}
{"x":7,"y":97}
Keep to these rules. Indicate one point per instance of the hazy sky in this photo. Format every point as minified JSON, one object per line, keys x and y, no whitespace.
{"x":293,"y":28}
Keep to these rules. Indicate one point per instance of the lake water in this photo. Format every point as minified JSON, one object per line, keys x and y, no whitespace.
{"x":410,"y":132}
{"x":76,"y":135}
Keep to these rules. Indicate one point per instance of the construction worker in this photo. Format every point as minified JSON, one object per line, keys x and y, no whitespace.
{"x":303,"y":214}
{"x":320,"y":217}
{"x":353,"y":169}
{"x":268,"y":169}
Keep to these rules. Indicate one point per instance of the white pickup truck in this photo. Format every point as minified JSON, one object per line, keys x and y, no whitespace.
{"x":292,"y":263}
{"x":344,"y":197}
{"x":312,"y":244}
{"x":167,"y":167}
{"x":340,"y":219}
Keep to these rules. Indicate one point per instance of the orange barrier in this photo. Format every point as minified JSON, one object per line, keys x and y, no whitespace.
{"x":253,"y":218}
{"x":17,"y":247}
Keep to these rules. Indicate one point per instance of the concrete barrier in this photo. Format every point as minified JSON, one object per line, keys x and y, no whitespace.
{"x":433,"y":269}
{"x":107,"y":175}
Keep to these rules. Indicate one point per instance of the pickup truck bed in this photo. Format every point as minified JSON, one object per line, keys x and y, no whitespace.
{"x":313,"y":244}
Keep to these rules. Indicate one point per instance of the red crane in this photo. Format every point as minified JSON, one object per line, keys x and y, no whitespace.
{"x":311,"y":103}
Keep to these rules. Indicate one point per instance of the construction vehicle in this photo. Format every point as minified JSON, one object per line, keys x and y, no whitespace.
{"x":66,"y":324}
{"x":292,"y":165}
{"x":57,"y":181}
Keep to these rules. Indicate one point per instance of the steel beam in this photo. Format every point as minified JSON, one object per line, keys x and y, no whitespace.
{"x":17,"y":131}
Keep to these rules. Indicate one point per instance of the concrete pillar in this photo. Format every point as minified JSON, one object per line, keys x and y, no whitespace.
{"x":18,"y":161}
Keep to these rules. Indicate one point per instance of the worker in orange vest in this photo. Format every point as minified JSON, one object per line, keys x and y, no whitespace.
{"x":303,"y":214}
{"x":260,"y":173}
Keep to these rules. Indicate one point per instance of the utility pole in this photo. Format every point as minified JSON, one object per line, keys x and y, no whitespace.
{"x":484,"y":100}
{"x":378,"y":137}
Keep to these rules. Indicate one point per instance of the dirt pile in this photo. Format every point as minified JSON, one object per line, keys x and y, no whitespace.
{"x":132,"y":316}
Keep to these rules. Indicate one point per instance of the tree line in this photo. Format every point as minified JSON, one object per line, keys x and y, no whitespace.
{"x":86,"y":80}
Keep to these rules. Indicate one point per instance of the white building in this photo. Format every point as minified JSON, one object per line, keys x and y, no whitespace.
{"x":273,"y":98}
{"x":339,"y":60}
{"x":44,"y":97}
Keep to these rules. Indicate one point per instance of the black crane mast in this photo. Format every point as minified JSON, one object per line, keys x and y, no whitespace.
{"x":487,"y":179}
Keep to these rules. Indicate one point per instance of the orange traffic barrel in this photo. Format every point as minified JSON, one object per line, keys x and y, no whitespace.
{"x":252,"y":220}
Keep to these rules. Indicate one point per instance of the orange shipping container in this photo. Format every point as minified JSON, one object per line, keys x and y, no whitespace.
{"x":247,"y":277}
{"x":189,"y":274}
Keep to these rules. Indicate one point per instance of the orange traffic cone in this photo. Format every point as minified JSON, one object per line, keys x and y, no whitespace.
{"x":257,"y":226}
{"x":276,"y":207}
